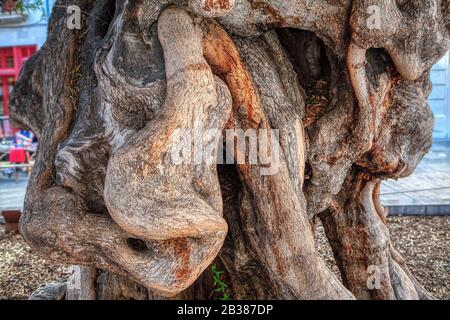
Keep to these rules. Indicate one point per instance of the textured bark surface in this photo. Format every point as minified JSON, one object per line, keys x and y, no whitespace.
{"x":106,"y":101}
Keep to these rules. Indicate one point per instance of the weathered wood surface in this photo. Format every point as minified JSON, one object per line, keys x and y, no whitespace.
{"x":106,"y":100}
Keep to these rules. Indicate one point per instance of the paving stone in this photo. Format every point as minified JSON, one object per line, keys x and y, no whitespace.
{"x":429,"y":185}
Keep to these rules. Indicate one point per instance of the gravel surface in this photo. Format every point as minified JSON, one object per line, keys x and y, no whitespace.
{"x":21,"y":270}
{"x":425,"y":244}
{"x":423,"y":241}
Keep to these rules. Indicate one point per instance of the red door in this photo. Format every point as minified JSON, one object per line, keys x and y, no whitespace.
{"x":11,"y":61}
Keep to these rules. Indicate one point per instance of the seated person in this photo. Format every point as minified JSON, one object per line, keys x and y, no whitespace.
{"x":23,"y":138}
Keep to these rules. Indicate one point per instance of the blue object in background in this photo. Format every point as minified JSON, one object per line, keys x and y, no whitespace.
{"x":439,"y":99}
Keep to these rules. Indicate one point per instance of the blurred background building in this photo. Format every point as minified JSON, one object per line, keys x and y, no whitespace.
{"x":22,"y":33}
{"x":440,"y":99}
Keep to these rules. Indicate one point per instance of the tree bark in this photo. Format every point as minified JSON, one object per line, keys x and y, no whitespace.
{"x":107,"y":103}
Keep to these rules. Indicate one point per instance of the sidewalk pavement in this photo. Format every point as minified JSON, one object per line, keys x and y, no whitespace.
{"x":12,"y":191}
{"x":428,"y":185}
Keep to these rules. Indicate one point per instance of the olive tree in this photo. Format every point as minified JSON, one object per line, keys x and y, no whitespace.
{"x":343,"y":83}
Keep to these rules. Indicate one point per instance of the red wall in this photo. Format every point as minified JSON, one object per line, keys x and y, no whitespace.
{"x":11,"y":61}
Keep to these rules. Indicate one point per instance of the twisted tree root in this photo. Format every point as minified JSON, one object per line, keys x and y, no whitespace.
{"x":371,"y":268}
{"x":287,"y":249}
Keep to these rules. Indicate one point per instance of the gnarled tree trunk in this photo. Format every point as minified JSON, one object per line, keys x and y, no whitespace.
{"x":108,"y":101}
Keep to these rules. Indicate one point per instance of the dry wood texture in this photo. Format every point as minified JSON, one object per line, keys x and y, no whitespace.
{"x":106,"y":102}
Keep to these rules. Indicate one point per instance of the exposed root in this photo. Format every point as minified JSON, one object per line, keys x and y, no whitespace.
{"x":292,"y":263}
{"x":147,"y":69}
{"x":370,"y":266}
{"x":381,"y":211}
